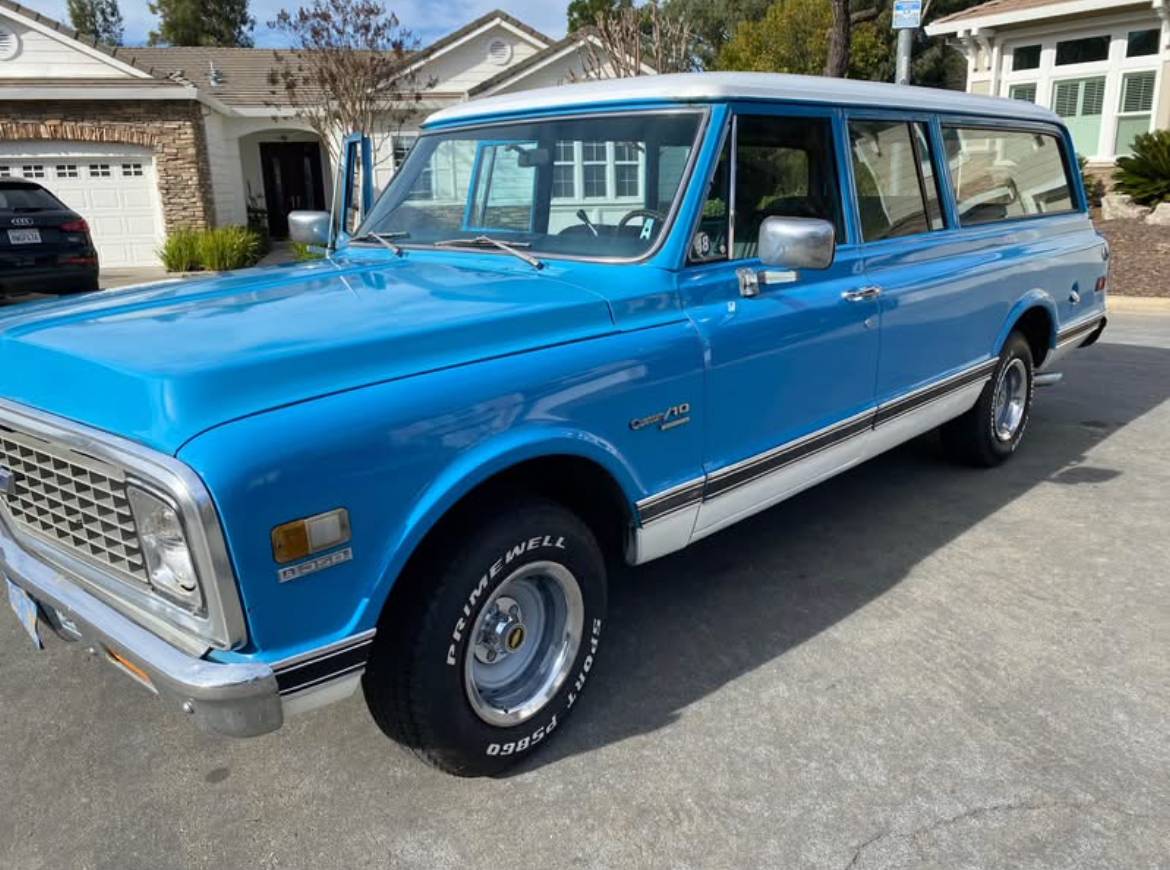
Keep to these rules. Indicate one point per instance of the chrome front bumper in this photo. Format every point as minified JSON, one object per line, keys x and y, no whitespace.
{"x":238,"y":699}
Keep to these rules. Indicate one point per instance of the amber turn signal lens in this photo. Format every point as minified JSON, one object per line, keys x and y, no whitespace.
{"x":304,"y":537}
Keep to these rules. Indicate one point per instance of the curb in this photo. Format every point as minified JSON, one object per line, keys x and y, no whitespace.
{"x":1138,"y":304}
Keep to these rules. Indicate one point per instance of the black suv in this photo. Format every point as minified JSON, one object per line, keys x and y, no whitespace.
{"x":45,"y":247}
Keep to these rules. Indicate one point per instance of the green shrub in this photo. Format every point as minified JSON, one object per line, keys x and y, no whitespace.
{"x":225,"y":248}
{"x":1145,"y":175}
{"x":180,"y":252}
{"x":302,"y":252}
{"x":1094,"y":186}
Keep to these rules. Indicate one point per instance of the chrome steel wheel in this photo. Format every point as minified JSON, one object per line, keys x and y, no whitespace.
{"x":523,"y":643}
{"x":1011,"y":400}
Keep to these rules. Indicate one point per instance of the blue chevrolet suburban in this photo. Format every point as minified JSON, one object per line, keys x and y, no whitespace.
{"x":581,"y":325}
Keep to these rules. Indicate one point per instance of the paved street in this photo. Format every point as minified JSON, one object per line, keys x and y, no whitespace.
{"x":914,"y":665}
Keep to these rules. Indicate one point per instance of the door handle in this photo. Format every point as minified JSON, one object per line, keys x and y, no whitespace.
{"x":861,"y":294}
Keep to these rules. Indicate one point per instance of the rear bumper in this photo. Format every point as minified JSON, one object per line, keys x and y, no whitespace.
{"x":237,"y":699}
{"x":55,"y":279}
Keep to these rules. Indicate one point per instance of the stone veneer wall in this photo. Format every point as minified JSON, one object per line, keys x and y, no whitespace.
{"x":172,"y":129}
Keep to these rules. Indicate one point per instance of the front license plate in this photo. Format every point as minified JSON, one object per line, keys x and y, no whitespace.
{"x":26,"y":611}
{"x":24,"y":237}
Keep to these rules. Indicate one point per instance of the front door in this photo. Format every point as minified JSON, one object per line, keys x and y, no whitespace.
{"x":790,"y":381}
{"x":292,"y":181}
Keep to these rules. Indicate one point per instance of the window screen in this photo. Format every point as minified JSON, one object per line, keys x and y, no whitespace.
{"x":1003,"y":174}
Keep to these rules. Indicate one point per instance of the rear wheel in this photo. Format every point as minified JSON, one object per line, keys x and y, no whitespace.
{"x":991,"y":431}
{"x":489,"y":650}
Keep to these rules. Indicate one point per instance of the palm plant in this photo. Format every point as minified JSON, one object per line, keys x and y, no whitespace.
{"x":1145,"y":174}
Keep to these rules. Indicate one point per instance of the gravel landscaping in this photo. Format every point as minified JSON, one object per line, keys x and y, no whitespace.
{"x":1141,"y":257}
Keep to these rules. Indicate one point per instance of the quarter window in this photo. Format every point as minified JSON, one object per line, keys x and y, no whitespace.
{"x":1004,"y":174}
{"x":896,"y":191}
{"x":1087,"y":50}
{"x":1026,"y":57}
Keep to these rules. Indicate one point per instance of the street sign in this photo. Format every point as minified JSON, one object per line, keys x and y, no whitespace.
{"x":907,"y":14}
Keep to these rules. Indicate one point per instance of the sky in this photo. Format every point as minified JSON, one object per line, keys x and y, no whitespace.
{"x":429,"y":19}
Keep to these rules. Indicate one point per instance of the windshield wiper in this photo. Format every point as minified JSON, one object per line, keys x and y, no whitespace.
{"x":386,"y":240}
{"x":482,"y":241}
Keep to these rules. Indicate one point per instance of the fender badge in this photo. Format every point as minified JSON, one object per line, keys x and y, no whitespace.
{"x":301,"y":569}
{"x":675,"y":415}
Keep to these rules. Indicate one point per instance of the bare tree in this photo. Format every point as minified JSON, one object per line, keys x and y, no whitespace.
{"x":837,"y":62}
{"x":349,"y":69}
{"x":634,"y":41}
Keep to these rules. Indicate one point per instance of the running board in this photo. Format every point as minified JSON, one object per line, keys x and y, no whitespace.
{"x":1047,"y":379}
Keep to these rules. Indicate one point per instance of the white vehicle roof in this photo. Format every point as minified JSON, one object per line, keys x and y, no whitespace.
{"x":720,"y":86}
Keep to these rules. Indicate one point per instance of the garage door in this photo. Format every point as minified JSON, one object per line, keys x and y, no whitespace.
{"x":112,"y":186}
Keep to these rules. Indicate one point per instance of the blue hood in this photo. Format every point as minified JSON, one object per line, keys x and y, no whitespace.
{"x":162,"y":363}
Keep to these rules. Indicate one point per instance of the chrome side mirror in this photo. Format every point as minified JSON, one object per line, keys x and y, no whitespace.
{"x":797,"y":243}
{"x":309,"y":227}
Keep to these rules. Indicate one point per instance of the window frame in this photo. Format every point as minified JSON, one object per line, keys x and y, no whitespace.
{"x":1064,"y":140}
{"x":831,"y":114}
{"x":907,"y":120}
{"x":946,"y":202}
{"x":667,"y":240}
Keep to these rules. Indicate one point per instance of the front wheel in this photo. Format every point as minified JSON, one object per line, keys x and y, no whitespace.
{"x":485,"y":661}
{"x":991,"y":431}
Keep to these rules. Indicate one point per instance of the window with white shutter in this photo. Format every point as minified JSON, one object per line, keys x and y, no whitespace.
{"x":1136,"y":109}
{"x":1081,"y":102}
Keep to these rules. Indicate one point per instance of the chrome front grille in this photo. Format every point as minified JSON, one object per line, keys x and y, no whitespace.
{"x":72,"y":500}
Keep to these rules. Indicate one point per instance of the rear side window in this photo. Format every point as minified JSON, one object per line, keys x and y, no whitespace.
{"x":27,"y":199}
{"x":897,"y":194}
{"x":1004,"y":174}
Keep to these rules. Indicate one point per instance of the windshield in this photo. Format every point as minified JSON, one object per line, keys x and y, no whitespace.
{"x":580,"y":187}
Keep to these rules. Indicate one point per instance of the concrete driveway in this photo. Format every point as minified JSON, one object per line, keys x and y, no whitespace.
{"x":107,"y":279}
{"x":914,"y":665}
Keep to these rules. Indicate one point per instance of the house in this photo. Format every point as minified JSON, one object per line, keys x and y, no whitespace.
{"x":1099,"y":64}
{"x":141,"y":141}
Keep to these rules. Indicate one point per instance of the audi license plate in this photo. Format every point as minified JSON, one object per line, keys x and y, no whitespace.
{"x":25,"y":609}
{"x":24,"y":237}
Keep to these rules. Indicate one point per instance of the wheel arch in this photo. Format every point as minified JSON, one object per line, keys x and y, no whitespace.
{"x":1034,"y":315}
{"x":586,"y":475}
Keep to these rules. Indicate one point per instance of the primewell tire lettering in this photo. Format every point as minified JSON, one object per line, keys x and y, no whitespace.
{"x":513,"y":553}
{"x":524,"y":743}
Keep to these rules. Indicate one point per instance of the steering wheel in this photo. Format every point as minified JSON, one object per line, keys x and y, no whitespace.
{"x":641,"y":213}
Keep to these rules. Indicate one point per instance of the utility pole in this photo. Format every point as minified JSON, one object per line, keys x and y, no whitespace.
{"x":907,"y":19}
{"x":905,"y":44}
